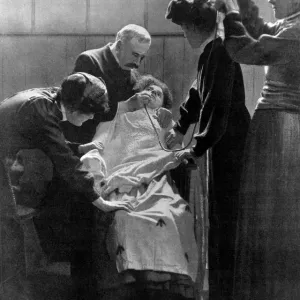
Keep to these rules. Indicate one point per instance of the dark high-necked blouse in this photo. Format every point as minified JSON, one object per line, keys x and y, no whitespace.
{"x":218,"y":97}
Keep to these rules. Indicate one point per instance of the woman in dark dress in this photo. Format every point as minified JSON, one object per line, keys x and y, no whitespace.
{"x":217,"y":101}
{"x":268,"y":241}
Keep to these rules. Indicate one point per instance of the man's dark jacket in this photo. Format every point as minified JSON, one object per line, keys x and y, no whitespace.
{"x":102,"y":63}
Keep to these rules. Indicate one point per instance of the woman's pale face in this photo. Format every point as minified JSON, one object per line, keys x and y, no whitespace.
{"x":156,"y":96}
{"x":194,"y":36}
{"x":284,"y":8}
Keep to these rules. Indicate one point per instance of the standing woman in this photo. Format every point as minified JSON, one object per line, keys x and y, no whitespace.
{"x":217,"y":101}
{"x":268,"y":243}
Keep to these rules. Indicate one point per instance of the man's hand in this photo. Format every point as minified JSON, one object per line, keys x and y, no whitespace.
{"x":164,"y":117}
{"x":174,"y":138}
{"x":90,"y":146}
{"x":109,"y":206}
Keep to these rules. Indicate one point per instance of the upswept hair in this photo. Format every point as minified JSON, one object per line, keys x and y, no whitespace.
{"x":84,"y":93}
{"x":199,"y":13}
{"x":131,"y":31}
{"x":145,"y":81}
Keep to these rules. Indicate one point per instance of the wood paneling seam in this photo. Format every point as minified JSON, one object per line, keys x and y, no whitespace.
{"x":87,"y":15}
{"x":32,"y":16}
{"x":146,"y":14}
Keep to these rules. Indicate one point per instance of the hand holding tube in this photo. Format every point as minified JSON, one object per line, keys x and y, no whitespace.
{"x":137,"y":101}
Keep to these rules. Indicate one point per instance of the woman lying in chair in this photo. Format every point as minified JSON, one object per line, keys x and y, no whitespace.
{"x":152,"y":248}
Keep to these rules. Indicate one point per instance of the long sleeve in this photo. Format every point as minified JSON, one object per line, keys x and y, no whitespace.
{"x":217,"y":103}
{"x":266,"y":50}
{"x":38,"y":122}
{"x":189,"y":110}
{"x":254,"y":24}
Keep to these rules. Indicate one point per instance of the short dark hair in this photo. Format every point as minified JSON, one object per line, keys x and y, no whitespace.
{"x":197,"y":12}
{"x":145,"y":81}
{"x":84,"y":93}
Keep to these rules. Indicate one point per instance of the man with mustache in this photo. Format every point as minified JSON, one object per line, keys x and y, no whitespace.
{"x":116,"y":64}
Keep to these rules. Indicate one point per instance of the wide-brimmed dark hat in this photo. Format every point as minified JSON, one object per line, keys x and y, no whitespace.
{"x":85,"y":93}
{"x":197,"y":12}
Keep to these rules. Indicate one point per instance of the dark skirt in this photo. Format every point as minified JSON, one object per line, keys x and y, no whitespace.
{"x":225,"y":160}
{"x":268,"y":237}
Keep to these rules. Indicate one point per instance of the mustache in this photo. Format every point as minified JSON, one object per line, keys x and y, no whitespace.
{"x":132,"y":65}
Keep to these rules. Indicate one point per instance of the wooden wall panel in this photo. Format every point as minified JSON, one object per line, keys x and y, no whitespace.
{"x":265,"y":10}
{"x":156,"y":18}
{"x":154,"y":62}
{"x":75,"y":45}
{"x":173,"y":68}
{"x":32,"y":60}
{"x":56,"y":16}
{"x":94,"y":42}
{"x":14,"y":67}
{"x":109,"y":38}
{"x":36,"y":62}
{"x":259,"y":79}
{"x":191,"y":57}
{"x":108,"y":17}
{"x":48,"y":60}
{"x":1,"y":70}
{"x":248,"y":75}
{"x":15,"y":16}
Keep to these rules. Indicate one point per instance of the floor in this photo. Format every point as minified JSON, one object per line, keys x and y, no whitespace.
{"x":54,"y":283}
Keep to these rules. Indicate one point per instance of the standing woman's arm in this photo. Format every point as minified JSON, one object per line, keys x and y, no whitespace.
{"x":266,"y":50}
{"x":254,"y":24}
{"x":263,"y":50}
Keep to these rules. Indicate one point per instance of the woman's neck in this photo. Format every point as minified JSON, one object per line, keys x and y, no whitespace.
{"x":210,"y":38}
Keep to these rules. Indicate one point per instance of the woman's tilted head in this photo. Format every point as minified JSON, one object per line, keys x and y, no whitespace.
{"x":285,"y":8}
{"x":83,"y":95}
{"x":159,"y":92}
{"x":197,"y":19}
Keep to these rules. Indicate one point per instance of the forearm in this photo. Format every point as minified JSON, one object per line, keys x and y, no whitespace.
{"x":99,"y":203}
{"x":212,"y":132}
{"x":217,"y":105}
{"x":253,"y":22}
{"x":189,"y":111}
{"x":267,"y":50}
